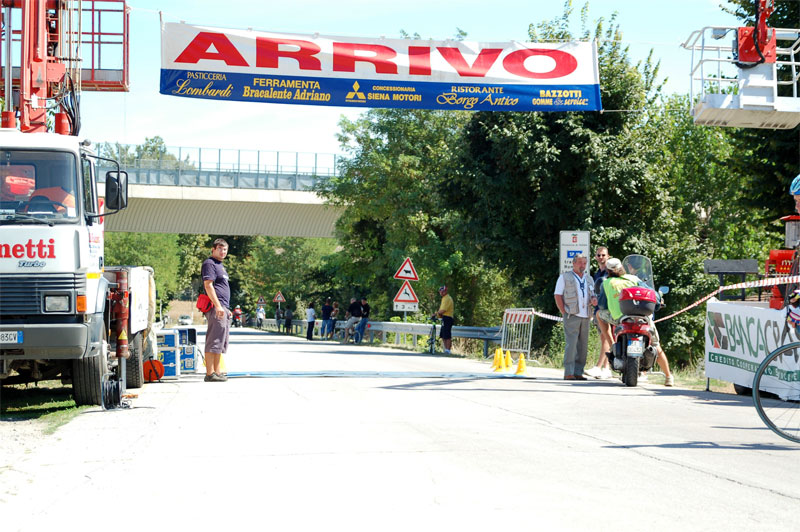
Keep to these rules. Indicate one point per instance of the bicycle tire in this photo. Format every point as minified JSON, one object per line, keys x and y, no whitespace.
{"x":779,"y":409}
{"x":356,"y":337}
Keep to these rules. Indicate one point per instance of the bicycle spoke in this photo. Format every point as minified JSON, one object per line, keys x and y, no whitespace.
{"x":778,"y":402}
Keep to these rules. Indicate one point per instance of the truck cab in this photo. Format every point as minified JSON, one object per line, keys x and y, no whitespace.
{"x":53,"y":294}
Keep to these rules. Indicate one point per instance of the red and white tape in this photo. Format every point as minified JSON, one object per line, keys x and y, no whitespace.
{"x":792,"y":279}
{"x":548,"y":316}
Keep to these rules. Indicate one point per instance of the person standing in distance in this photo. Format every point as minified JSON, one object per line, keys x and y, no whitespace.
{"x":261,"y":315}
{"x":311,"y":318}
{"x":327,"y":322}
{"x":215,"y":282}
{"x":574,"y":294}
{"x":362,"y":325}
{"x":446,"y":312}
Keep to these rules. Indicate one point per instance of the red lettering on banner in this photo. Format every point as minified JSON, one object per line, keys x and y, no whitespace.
{"x":419,"y":60}
{"x":344,"y":57}
{"x":565,"y":63}
{"x":479,"y":68}
{"x":270,"y":50}
{"x":18,"y":250}
{"x":199,"y":49}
{"x":268,"y":53}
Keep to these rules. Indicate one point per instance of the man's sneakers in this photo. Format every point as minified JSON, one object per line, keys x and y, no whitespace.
{"x":669,"y":381}
{"x":605,"y":373}
{"x":215,"y":377}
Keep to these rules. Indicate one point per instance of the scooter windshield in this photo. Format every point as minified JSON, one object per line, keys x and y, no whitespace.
{"x":640,"y":266}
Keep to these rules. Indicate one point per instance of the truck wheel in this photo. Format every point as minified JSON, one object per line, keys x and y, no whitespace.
{"x":742,"y":390}
{"x":134,"y":373}
{"x":87,"y":378}
{"x":631,"y":371}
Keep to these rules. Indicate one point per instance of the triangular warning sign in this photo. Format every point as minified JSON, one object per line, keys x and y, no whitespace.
{"x":261,"y":301}
{"x":407,"y":271}
{"x":406,"y":294}
{"x":278,"y":298}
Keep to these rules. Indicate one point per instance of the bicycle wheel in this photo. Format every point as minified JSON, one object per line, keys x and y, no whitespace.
{"x":776,"y":391}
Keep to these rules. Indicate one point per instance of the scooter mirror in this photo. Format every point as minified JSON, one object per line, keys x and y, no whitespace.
{"x":663,"y":289}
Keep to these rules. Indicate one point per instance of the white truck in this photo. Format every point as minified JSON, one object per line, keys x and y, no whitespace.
{"x":63,"y":313}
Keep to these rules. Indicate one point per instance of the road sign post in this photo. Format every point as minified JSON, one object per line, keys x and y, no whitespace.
{"x":406,"y":271}
{"x":406,"y":299}
{"x":570,"y":244}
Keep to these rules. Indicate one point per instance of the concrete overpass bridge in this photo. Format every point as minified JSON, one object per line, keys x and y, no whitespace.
{"x":229,"y":192}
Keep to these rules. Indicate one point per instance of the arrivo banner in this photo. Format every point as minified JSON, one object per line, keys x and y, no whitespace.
{"x":739,"y":337}
{"x":255,"y":66}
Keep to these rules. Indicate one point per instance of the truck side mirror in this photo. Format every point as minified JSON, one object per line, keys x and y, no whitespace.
{"x":116,"y":190}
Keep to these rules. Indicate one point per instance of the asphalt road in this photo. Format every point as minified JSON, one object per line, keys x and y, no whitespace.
{"x":363,"y":438}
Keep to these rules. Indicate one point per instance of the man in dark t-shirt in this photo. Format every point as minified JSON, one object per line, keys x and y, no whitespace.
{"x":327,"y":322}
{"x":215,"y":282}
{"x":362,"y":325}
{"x":353,"y":317}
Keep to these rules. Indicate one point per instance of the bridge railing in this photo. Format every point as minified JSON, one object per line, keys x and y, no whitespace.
{"x":206,"y":167}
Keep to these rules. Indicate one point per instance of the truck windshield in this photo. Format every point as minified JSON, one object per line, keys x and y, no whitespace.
{"x":37,"y":185}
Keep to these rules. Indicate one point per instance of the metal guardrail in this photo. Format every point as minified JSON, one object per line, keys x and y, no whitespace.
{"x":383,"y":328}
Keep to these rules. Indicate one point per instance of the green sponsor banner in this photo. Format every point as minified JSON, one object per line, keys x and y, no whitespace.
{"x":746,"y":365}
{"x":734,"y":362}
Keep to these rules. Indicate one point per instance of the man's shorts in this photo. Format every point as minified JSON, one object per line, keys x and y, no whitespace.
{"x":218,"y":332}
{"x":447,"y":325}
{"x":605,"y":315}
{"x":351,"y":321}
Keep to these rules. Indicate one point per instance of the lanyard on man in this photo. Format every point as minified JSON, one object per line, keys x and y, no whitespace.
{"x":581,"y":284}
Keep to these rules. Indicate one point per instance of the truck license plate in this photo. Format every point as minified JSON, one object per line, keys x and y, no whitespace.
{"x":635,"y":347}
{"x":11,"y":337}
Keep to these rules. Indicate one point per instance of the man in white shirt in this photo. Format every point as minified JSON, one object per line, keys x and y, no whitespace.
{"x":574,"y":294}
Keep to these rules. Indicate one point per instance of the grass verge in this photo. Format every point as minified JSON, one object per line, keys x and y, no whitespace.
{"x":50,"y":403}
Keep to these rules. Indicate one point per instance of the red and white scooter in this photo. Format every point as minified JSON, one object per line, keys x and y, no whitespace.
{"x":632,"y":351}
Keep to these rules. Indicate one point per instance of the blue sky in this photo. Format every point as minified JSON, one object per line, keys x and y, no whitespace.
{"x":143,"y":112}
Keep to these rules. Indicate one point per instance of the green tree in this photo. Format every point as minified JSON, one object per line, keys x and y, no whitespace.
{"x":156,"y":250}
{"x":286,"y":265}
{"x":389,"y":188}
{"x":524,"y":177}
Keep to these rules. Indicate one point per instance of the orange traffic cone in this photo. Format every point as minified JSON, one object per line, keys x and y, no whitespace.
{"x":521,"y":366}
